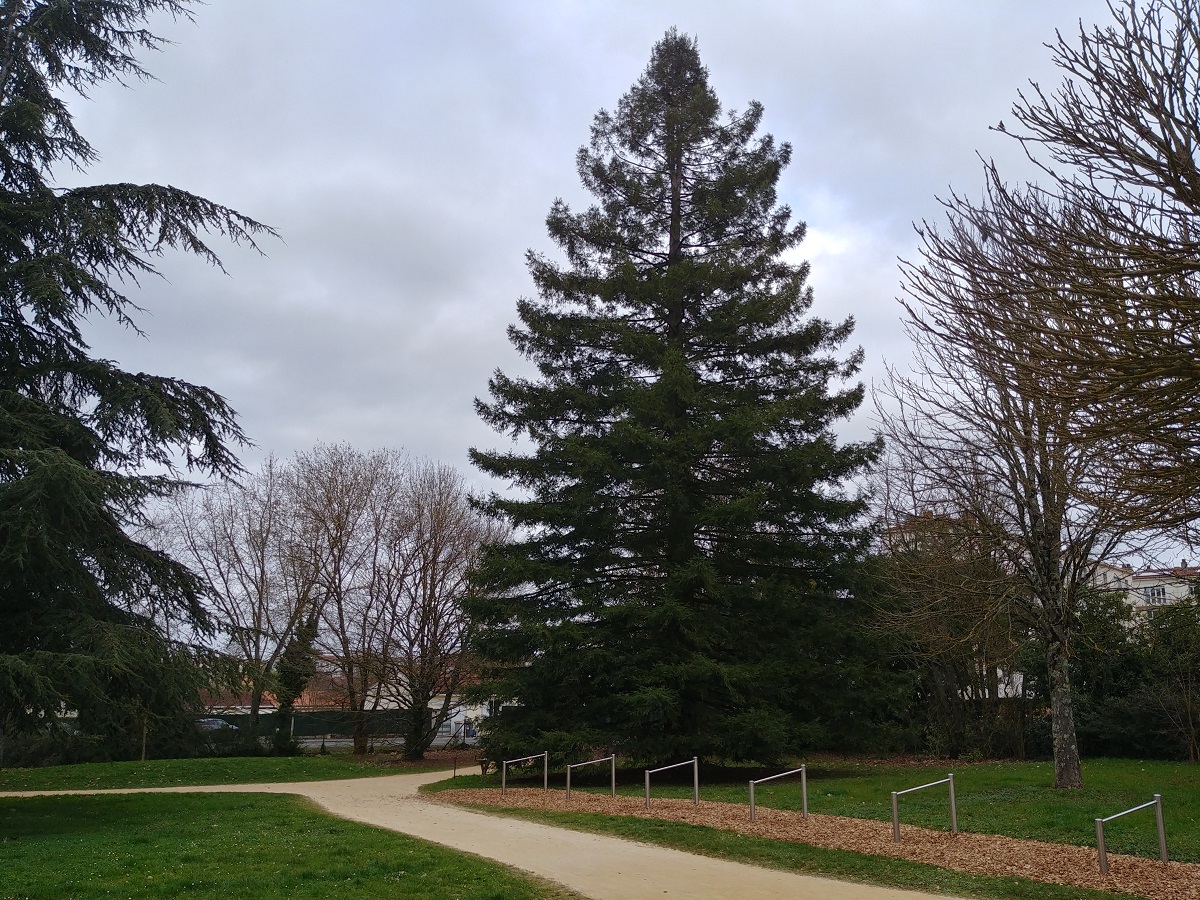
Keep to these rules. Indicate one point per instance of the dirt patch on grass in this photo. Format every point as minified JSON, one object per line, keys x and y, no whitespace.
{"x":980,"y":854}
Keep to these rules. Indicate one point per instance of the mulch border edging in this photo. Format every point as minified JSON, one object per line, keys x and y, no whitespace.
{"x":978,"y":854}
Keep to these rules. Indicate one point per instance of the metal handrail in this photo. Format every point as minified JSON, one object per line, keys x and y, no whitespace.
{"x":612,"y":759}
{"x":803,"y":770}
{"x":1162,"y":834}
{"x":949,"y":779}
{"x":545,"y":756}
{"x":694,"y":762}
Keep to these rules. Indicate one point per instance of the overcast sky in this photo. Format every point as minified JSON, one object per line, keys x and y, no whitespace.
{"x":408,"y":154}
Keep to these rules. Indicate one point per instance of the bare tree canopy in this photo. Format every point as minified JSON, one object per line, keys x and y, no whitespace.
{"x":437,"y":549}
{"x":240,"y":539}
{"x":1108,"y":247}
{"x":349,"y":509}
{"x":360,"y":557}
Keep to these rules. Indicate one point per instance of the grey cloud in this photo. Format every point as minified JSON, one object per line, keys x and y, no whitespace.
{"x":408,"y":154}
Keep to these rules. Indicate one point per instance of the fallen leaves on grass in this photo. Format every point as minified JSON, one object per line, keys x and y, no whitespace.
{"x":980,"y":854}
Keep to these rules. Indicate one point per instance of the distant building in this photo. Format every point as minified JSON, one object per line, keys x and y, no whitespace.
{"x":1152,"y":588}
{"x":1149,"y":589}
{"x":1110,"y":577}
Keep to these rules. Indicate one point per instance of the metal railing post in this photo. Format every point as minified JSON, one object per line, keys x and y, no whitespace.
{"x":545,"y":755}
{"x":949,"y":779}
{"x":803,"y":770}
{"x":694,"y":763}
{"x":1158,"y":820}
{"x":1162,"y":834}
{"x":804,"y":790}
{"x":611,"y":760}
{"x":953,"y":807}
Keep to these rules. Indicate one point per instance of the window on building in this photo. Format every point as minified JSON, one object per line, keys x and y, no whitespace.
{"x":1154,"y":594}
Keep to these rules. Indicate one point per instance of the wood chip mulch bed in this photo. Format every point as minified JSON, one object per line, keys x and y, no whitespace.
{"x":980,"y":854}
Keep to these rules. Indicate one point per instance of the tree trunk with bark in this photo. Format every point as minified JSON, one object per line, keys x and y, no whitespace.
{"x":256,"y":693}
{"x":416,"y":734}
{"x":1067,"y":773}
{"x":358,"y":730}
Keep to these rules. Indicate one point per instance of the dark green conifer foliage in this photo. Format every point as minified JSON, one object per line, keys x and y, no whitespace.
{"x":76,"y":432}
{"x":297,"y":665}
{"x":682,"y":512}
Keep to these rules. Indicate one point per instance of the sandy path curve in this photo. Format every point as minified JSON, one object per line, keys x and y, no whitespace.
{"x":601,"y":867}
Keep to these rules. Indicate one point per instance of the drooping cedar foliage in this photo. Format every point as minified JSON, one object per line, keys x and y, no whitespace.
{"x":77,"y":433}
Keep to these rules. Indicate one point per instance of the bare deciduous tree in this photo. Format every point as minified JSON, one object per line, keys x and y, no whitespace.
{"x":992,"y":445}
{"x":238,"y":538}
{"x":391,"y":543}
{"x":438,"y":550}
{"x":350,"y":509}
{"x":364,"y":556}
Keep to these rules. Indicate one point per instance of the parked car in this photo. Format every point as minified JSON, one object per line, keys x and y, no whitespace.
{"x":214,"y":724}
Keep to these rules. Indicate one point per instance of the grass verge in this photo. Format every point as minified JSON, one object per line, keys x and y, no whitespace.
{"x":230,"y":845}
{"x":209,"y":770}
{"x":1012,"y":799}
{"x":801,"y":858}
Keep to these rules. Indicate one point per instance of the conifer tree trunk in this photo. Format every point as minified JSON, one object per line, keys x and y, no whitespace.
{"x":256,"y":693}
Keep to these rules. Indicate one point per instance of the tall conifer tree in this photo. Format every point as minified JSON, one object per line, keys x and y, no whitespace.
{"x":682,"y":518}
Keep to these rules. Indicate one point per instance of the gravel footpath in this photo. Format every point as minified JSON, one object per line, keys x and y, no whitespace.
{"x":982,"y":854}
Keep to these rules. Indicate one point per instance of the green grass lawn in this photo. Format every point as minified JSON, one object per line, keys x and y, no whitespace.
{"x":229,"y":845}
{"x":1014,"y":799}
{"x":175,"y":772}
